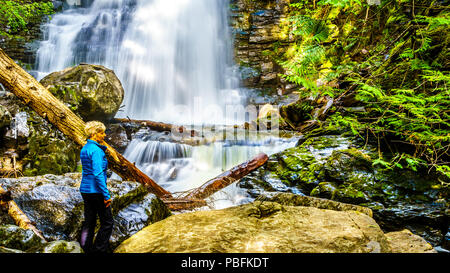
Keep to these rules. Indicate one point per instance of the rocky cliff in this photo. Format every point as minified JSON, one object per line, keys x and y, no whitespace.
{"x":261,"y":34}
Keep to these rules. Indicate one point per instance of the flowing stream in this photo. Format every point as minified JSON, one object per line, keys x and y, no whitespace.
{"x":175,"y":61}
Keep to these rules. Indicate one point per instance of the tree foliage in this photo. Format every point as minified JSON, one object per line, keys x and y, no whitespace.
{"x":15,"y":15}
{"x":393,"y":59}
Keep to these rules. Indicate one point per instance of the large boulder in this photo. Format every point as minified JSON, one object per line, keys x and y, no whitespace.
{"x":262,"y":226}
{"x":92,"y":91}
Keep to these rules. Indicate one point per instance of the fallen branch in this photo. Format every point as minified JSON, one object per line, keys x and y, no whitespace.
{"x":227,"y":178}
{"x":17,"y":214}
{"x":159,"y":126}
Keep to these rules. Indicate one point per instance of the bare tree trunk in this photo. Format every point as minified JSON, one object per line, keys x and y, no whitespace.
{"x":159,"y":126}
{"x":17,"y":214}
{"x":36,"y":96}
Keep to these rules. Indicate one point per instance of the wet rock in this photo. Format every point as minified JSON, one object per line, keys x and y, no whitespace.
{"x":56,"y":210}
{"x":91,"y":91}
{"x":14,"y":237}
{"x":117,"y":137}
{"x":261,"y":227}
{"x":136,"y":216}
{"x":5,"y":117}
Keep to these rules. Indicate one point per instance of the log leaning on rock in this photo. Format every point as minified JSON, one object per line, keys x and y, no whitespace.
{"x":36,"y":96}
{"x":17,"y":214}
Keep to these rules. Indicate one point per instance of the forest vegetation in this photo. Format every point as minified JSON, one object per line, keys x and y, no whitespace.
{"x":391,"y":60}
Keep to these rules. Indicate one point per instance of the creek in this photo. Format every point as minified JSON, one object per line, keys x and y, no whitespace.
{"x":175,"y":62}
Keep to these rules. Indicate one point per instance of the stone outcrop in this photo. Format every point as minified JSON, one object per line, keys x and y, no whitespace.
{"x":21,"y":45}
{"x":92,"y":91}
{"x":261,"y":33}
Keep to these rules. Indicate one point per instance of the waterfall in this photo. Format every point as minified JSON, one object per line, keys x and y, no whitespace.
{"x":174,"y":58}
{"x":175,"y":61}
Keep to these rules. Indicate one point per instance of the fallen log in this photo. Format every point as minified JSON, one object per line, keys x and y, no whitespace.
{"x":227,"y":178}
{"x":17,"y":214}
{"x":159,"y":126}
{"x":36,"y":96}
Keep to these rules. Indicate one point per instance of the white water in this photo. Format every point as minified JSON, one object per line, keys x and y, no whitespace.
{"x":179,"y":167}
{"x":174,"y":59}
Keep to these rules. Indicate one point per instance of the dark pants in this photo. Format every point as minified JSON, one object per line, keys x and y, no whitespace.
{"x":93,"y":206}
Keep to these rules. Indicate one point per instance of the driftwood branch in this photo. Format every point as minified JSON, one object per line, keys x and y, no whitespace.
{"x":159,"y":126}
{"x":16,"y":213}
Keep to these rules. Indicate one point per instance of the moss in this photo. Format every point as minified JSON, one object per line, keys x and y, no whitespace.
{"x":48,"y":150}
{"x":159,"y":211}
{"x":297,"y":167}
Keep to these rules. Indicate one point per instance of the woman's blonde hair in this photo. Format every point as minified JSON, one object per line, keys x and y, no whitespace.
{"x":93,"y":127}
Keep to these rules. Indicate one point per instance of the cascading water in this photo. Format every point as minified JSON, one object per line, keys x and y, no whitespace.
{"x":174,"y":59}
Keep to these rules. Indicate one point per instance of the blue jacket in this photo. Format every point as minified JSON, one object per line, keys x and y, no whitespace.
{"x":94,"y":163}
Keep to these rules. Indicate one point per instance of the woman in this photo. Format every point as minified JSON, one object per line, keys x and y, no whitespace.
{"x":97,"y":199}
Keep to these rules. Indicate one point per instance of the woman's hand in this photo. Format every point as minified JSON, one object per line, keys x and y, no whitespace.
{"x":107,"y":202}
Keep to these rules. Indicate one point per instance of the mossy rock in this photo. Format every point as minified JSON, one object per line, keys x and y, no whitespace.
{"x":350,"y":165}
{"x":5,"y":117}
{"x":91,"y":91}
{"x":297,"y":112}
{"x":14,"y":237}
{"x":49,"y":151}
{"x":297,"y":167}
{"x":61,"y":246}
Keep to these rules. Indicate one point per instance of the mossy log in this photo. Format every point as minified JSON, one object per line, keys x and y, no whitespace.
{"x":17,"y":214}
{"x":36,"y":96}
